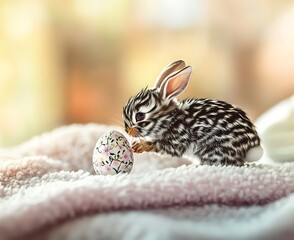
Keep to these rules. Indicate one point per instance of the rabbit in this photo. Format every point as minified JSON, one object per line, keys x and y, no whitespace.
{"x":212,"y":131}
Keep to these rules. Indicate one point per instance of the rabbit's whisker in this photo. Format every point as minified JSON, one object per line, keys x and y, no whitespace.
{"x":117,"y":121}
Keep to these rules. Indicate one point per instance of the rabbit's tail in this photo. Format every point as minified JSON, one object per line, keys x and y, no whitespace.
{"x":254,"y":154}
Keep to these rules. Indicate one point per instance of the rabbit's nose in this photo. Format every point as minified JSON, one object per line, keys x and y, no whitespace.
{"x":133,"y":132}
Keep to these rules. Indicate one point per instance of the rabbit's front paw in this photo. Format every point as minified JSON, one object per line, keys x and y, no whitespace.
{"x":142,"y":146}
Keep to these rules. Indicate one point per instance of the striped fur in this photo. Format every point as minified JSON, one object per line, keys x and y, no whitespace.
{"x":212,"y":130}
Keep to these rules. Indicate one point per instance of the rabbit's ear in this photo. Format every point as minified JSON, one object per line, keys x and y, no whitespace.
{"x":169,"y":69}
{"x":175,"y":83}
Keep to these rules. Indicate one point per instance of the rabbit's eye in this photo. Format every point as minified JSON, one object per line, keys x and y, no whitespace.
{"x":140,"y":116}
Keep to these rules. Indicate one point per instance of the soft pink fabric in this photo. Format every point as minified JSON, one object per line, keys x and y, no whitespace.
{"x":49,"y":191}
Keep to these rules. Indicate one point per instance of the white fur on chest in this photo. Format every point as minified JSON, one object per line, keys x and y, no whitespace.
{"x":190,"y":153}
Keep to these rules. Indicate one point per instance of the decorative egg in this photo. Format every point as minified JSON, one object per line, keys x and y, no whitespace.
{"x":112,"y":154}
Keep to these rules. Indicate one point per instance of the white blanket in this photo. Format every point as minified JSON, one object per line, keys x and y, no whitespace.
{"x":48,"y":190}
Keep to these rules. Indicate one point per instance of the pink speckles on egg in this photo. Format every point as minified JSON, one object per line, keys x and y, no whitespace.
{"x":112,"y":154}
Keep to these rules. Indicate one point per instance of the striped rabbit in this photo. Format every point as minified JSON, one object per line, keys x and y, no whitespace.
{"x":212,"y":131}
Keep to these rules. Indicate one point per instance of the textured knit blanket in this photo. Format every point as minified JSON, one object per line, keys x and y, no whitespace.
{"x":48,"y":190}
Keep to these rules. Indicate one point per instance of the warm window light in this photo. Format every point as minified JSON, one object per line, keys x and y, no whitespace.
{"x":94,"y":9}
{"x":18,"y":23}
{"x":171,"y":14}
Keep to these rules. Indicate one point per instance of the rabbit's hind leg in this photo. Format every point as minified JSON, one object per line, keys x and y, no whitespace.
{"x":221,"y":155}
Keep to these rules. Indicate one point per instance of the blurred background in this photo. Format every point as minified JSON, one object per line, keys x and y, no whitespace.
{"x":78,"y":61}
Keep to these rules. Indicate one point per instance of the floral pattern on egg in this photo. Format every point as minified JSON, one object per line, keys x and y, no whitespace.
{"x":112,"y":154}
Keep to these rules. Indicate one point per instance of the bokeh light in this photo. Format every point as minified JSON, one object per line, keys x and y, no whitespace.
{"x":78,"y":61}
